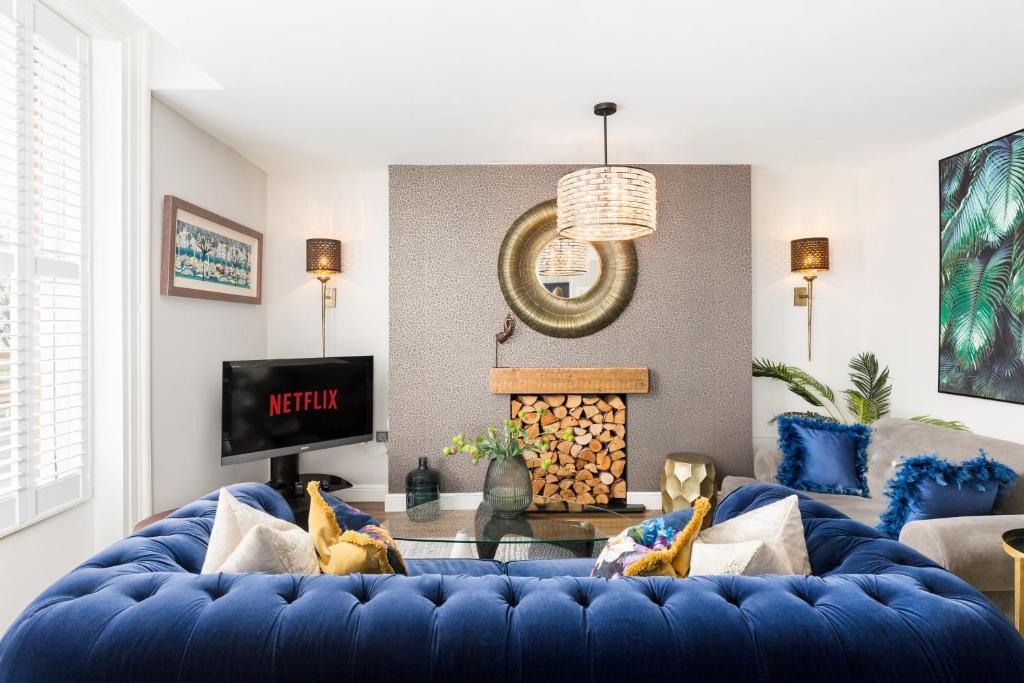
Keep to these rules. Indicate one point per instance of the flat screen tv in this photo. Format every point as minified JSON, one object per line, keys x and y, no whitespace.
{"x":273,"y":408}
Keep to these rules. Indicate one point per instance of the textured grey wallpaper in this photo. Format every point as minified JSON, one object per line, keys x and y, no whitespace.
{"x":689,"y":321}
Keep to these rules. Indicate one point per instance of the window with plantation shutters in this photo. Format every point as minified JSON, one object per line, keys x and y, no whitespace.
{"x":44,"y":326}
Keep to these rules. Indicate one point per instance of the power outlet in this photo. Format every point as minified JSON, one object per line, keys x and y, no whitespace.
{"x":382,"y":437}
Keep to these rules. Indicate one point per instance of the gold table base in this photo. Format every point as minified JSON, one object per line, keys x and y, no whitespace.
{"x":1013,"y":544}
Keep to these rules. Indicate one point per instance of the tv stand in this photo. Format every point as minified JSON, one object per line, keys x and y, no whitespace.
{"x":286,"y":480}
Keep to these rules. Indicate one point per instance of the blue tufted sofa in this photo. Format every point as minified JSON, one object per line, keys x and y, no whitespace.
{"x":874,"y":610}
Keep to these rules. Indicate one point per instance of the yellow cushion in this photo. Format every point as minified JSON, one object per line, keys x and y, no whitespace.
{"x":348,"y":551}
{"x":675,"y":560}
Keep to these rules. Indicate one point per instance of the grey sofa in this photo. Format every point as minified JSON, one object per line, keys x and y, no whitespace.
{"x":970,"y":547}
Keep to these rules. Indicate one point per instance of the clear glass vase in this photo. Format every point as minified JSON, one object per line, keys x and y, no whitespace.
{"x":507,"y":487}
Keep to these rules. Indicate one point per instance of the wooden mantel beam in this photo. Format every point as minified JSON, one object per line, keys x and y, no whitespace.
{"x":569,"y":380}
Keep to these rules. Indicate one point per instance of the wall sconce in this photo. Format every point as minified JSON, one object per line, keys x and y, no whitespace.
{"x":810,"y":257}
{"x":323,"y":259}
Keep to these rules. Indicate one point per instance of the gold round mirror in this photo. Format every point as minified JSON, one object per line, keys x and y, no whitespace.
{"x":563,"y":287}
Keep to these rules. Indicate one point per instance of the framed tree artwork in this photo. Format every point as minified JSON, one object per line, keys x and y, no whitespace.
{"x":981,"y":271}
{"x":206,"y":256}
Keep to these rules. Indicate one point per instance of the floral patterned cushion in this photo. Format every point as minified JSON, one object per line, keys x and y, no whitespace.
{"x":659,"y":546}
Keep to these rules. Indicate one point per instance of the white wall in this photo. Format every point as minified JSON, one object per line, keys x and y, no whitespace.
{"x":351,"y":207}
{"x":191,"y":337}
{"x":882,"y":292}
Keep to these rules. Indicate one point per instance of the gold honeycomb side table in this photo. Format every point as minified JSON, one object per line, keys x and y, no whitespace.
{"x":685,"y":478}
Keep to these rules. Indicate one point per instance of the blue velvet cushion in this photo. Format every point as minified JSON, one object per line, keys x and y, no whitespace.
{"x":348,"y":516}
{"x":823,"y":456}
{"x":928,"y":487}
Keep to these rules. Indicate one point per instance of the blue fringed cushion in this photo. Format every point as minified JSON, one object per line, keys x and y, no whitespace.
{"x":928,"y":487}
{"x":823,"y":456}
{"x":348,"y":516}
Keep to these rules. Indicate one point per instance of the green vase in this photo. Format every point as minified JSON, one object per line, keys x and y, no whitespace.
{"x":508,"y":490}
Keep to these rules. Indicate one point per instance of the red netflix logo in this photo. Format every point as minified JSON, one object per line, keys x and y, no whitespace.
{"x":299,"y":401}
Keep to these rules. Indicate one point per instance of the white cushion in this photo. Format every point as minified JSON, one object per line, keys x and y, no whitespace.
{"x":769,"y":540}
{"x":245,"y":539}
{"x":745,"y":558}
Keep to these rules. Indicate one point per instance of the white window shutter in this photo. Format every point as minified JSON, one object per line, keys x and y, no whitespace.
{"x":44,"y":256}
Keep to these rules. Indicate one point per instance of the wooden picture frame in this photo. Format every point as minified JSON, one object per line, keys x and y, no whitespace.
{"x":207,"y":256}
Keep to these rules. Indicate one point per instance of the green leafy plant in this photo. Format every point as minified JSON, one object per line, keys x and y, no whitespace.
{"x":867,"y":401}
{"x":981,"y":274}
{"x":803,"y":385}
{"x":869,"y":398}
{"x":938,"y":422}
{"x":506,"y":441}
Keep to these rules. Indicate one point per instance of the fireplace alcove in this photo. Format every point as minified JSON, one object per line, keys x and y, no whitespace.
{"x":590,"y":467}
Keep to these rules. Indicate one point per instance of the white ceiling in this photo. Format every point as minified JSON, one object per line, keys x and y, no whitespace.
{"x":338,"y":83}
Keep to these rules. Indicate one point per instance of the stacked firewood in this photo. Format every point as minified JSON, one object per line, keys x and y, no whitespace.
{"x":587,"y":450}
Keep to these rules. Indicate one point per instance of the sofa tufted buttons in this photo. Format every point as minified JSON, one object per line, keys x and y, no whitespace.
{"x":731,"y":599}
{"x":877,"y":598}
{"x":804,"y":597}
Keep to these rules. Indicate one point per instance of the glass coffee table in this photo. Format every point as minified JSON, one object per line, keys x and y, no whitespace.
{"x":571,"y":526}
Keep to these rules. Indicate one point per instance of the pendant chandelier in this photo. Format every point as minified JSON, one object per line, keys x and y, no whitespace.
{"x":607,"y":203}
{"x":563,"y":258}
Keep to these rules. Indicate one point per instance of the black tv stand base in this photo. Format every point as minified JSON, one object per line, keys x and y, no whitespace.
{"x":286,"y":480}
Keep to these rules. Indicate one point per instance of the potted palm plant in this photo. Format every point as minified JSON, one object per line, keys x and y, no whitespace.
{"x":865,"y":402}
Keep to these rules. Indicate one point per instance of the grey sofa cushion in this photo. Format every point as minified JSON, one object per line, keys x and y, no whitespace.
{"x":970,"y":547}
{"x":864,"y":510}
{"x":895,"y":438}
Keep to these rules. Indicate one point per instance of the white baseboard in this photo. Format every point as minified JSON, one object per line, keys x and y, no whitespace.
{"x":363,"y":493}
{"x":649,"y":499}
{"x":395,"y":502}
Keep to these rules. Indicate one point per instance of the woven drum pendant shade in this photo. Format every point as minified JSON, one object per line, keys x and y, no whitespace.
{"x":563,"y":258}
{"x":607,"y":203}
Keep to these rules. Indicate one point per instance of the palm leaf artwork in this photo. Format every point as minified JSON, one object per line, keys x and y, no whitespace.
{"x":981,"y":281}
